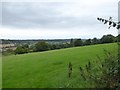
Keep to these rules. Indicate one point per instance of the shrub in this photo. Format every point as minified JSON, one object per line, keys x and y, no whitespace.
{"x":41,"y":46}
{"x":22,"y":49}
{"x":102,"y":73}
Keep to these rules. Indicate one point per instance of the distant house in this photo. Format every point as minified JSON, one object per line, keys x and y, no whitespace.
{"x":4,"y":47}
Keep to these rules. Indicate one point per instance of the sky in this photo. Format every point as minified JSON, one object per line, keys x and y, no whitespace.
{"x":56,"y":19}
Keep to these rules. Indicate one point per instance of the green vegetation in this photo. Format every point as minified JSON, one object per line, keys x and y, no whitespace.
{"x":106,"y":72}
{"x":8,"y":52}
{"x":22,"y":49}
{"x":107,"y":39}
{"x":41,"y":46}
{"x":50,"y":68}
{"x":45,"y":45}
{"x":78,"y":42}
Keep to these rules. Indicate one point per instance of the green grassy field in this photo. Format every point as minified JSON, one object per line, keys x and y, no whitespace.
{"x":50,"y":69}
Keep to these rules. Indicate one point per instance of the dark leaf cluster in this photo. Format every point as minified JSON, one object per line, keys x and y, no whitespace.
{"x":110,"y":22}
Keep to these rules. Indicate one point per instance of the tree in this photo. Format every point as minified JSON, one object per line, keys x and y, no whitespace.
{"x":107,"y":39}
{"x":78,"y":42}
{"x":95,"y":41}
{"x":25,"y":46}
{"x":21,"y":50}
{"x":118,"y":38}
{"x":88,"y":42}
{"x":67,"y":45}
{"x":52,"y":46}
{"x":72,"y":43}
{"x":32,"y":48}
{"x":41,"y":46}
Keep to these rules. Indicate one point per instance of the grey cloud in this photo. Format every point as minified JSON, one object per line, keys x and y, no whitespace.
{"x":48,"y":16}
{"x":40,"y":15}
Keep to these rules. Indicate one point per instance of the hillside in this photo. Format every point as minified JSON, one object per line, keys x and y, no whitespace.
{"x":50,"y":68}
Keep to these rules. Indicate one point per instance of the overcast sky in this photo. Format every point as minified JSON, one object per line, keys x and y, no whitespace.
{"x":60,"y":19}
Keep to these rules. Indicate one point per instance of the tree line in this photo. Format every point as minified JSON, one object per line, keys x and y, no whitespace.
{"x":44,"y":46}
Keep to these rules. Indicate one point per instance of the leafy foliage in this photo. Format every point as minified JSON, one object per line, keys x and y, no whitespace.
{"x":8,"y":52}
{"x":88,"y":42}
{"x":95,"y":41}
{"x":78,"y":42}
{"x":103,"y":73}
{"x":107,"y":39}
{"x":42,"y":46}
{"x":22,"y":49}
{"x":110,"y":22}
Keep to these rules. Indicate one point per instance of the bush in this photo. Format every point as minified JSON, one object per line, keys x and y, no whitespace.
{"x":22,"y":49}
{"x":78,"y":42}
{"x":107,"y":39}
{"x":41,"y":46}
{"x":103,"y":73}
{"x":8,"y":52}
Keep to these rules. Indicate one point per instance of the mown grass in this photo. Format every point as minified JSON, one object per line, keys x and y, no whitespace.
{"x":50,"y":69}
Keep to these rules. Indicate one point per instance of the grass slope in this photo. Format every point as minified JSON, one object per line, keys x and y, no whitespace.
{"x":50,"y":68}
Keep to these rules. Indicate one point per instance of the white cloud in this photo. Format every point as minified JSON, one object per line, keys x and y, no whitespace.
{"x":50,"y":19}
{"x":55,"y":34}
